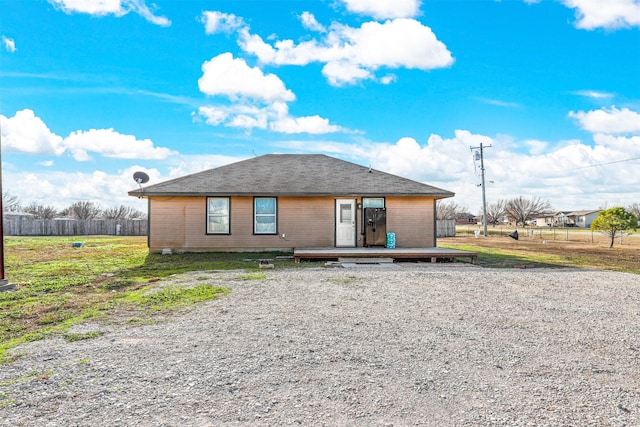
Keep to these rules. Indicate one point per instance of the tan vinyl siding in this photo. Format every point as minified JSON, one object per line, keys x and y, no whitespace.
{"x":167,"y":222}
{"x":180,"y":223}
{"x":411,"y":218}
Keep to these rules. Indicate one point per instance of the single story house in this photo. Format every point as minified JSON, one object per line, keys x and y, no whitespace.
{"x":582,"y":218}
{"x":561,"y":219}
{"x":466,"y":219}
{"x":550,"y":219}
{"x":286,"y":201}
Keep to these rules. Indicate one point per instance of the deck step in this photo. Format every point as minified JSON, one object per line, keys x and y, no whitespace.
{"x":366,"y":260}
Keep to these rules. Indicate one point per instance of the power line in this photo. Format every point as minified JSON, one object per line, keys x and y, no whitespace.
{"x":604,"y":164}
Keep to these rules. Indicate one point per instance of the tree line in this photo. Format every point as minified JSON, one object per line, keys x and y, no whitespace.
{"x":518,"y":210}
{"x":77,"y":210}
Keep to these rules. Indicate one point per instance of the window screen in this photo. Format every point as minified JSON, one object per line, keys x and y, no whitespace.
{"x":218,"y":215}
{"x":265,"y":215}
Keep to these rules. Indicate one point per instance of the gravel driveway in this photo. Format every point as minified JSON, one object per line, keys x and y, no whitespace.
{"x":444,"y":345}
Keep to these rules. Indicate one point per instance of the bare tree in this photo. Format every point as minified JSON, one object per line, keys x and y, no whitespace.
{"x":83,"y":210}
{"x":122,"y":212}
{"x":10,"y":203}
{"x":448,"y":210}
{"x":634,"y":208}
{"x":521,"y":210}
{"x":496,"y":211}
{"x":40,"y":211}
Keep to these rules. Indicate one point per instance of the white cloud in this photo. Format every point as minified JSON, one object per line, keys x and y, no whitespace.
{"x":197,"y":163}
{"x":9,"y":44}
{"x":274,"y":117}
{"x":612,"y":121}
{"x":233,"y":78}
{"x":248,"y":122}
{"x":440,"y":159}
{"x":310,"y":23}
{"x":384,"y":9}
{"x":258,"y":99}
{"x":621,"y":144}
{"x":60,"y":188}
{"x":309,"y":124}
{"x":498,"y":102}
{"x":216,"y":22}
{"x":214,"y":115}
{"x":339,"y":73}
{"x":388,"y":79}
{"x":594,"y":94}
{"x":536,"y":147}
{"x":117,"y":8}
{"x":91,"y":7}
{"x":350,"y":54}
{"x":109,"y":143}
{"x":611,"y":14}
{"x":26,"y":133}
{"x":570,"y":174}
{"x":143,"y":10}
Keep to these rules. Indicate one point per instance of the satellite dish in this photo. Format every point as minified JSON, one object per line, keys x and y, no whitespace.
{"x":140,"y":178}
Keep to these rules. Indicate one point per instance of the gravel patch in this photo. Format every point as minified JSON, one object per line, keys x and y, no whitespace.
{"x":445,"y":345}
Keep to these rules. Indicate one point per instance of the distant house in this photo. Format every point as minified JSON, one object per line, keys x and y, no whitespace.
{"x":567,"y":218}
{"x":582,"y":218}
{"x":546,"y":219}
{"x":285,"y":201}
{"x":466,"y":219}
{"x":562,"y":220}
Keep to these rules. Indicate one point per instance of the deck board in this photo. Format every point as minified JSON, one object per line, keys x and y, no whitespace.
{"x":432,"y":254}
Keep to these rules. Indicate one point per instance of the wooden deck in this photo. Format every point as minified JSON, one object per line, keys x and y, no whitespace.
{"x":431,"y":254}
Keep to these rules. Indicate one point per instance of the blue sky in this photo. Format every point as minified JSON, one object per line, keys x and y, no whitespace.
{"x":93,"y":90}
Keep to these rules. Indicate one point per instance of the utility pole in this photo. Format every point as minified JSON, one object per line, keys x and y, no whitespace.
{"x":484,"y":196}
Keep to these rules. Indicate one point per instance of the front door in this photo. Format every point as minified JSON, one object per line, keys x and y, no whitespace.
{"x":346,"y":222}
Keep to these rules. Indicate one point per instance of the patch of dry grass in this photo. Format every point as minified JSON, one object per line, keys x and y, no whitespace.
{"x":583,"y":250}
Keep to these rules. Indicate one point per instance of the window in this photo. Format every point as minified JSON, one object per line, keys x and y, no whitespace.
{"x":264,"y":221}
{"x":373,"y":202}
{"x":346,"y":213}
{"x":218,"y":215}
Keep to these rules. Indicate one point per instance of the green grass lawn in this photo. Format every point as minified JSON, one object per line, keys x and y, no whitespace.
{"x":60,"y":285}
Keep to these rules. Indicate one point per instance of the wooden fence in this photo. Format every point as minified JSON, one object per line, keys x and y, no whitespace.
{"x":71,"y":227}
{"x":116,"y":227}
{"x":445,"y":228}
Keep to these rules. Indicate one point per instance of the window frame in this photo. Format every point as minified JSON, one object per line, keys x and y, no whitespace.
{"x":228,"y":216}
{"x":274,"y":215}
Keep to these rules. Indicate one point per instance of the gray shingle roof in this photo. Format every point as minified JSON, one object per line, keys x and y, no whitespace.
{"x":291,"y":175}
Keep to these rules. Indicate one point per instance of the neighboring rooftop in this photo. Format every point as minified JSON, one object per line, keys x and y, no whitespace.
{"x":292,"y":175}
